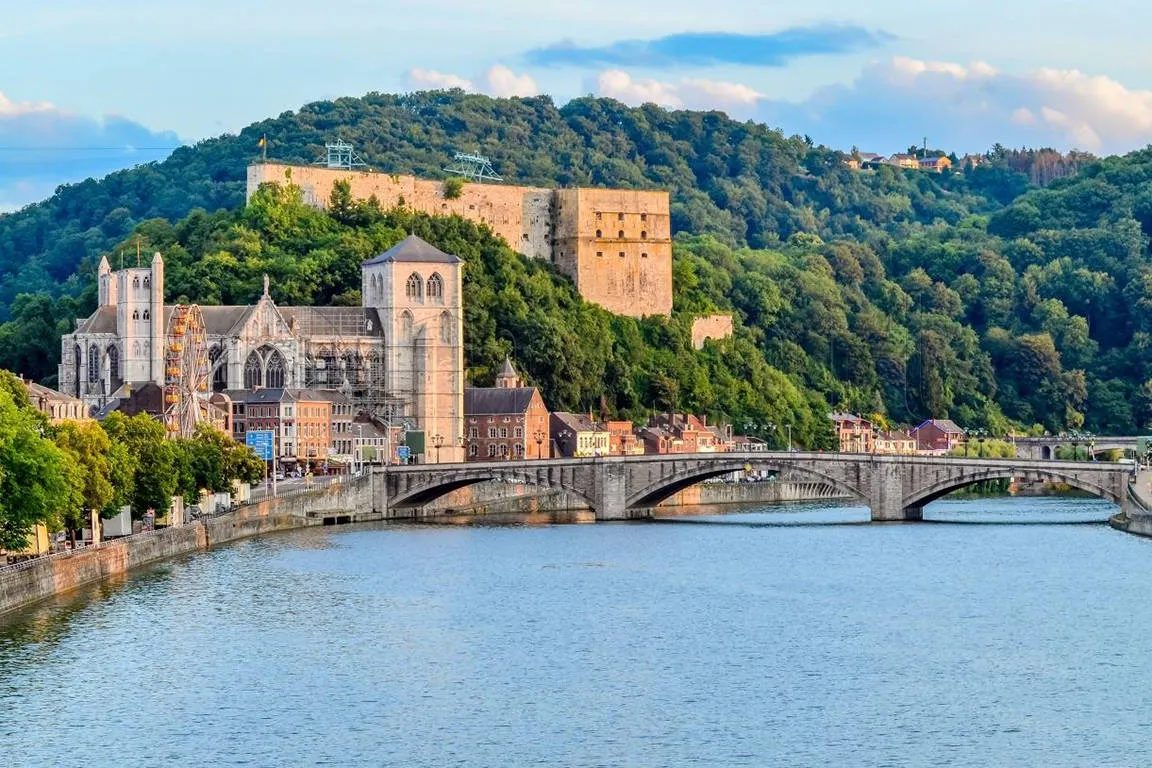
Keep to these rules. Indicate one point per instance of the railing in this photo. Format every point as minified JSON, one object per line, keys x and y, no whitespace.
{"x":265,"y":492}
{"x":32,"y":562}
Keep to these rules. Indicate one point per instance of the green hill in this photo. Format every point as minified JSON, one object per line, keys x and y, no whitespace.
{"x":976,"y":296}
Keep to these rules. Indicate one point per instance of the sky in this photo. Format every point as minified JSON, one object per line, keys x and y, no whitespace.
{"x":87,"y":87}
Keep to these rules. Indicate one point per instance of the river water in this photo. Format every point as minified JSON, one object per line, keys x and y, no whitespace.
{"x":776,"y":638}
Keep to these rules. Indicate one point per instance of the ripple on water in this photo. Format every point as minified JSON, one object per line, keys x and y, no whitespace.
{"x":732,"y":644}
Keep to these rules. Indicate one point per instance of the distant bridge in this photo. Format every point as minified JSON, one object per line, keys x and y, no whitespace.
{"x":1045,"y":447}
{"x":621,"y":488}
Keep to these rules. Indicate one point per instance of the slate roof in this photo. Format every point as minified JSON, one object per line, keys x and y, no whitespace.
{"x":495,"y":401}
{"x":578,"y":422}
{"x":415,"y":250}
{"x":225,"y":320}
{"x":944,"y":425}
{"x":103,"y":320}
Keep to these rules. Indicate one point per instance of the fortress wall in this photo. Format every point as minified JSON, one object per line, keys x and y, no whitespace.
{"x":710,"y":327}
{"x":582,"y":231}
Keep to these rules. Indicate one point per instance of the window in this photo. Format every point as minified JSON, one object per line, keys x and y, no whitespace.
{"x":643,"y":234}
{"x":93,"y":364}
{"x":114,"y":364}
{"x":436,"y":288}
{"x":503,"y":433}
{"x":147,"y":282}
{"x":491,"y":451}
{"x":275,"y":373}
{"x":414,"y":289}
{"x":491,"y":433}
{"x":503,"y":451}
{"x":621,"y":254}
{"x":519,"y":432}
{"x":598,"y":216}
{"x":135,"y":282}
{"x":643,"y":217}
{"x":644,"y":254}
{"x":599,"y":253}
{"x":619,"y":217}
{"x":620,"y":235}
{"x":599,"y":233}
{"x":135,"y":314}
{"x":252,"y":371}
{"x":518,"y":450}
{"x":446,"y":334}
{"x":473,"y":433}
{"x":147,"y":314}
{"x":406,"y":324}
{"x":473,"y":450}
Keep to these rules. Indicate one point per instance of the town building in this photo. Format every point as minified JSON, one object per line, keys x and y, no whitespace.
{"x":343,"y":436}
{"x":300,"y":420}
{"x":939,"y":435}
{"x":615,"y":244}
{"x":937,"y":164}
{"x":575,"y":435}
{"x":400,"y":353}
{"x":623,"y":440}
{"x":660,"y":441}
{"x":693,"y":431}
{"x":854,"y":434}
{"x":895,"y":442}
{"x":507,"y":421}
{"x":910,"y":162}
{"x":57,"y":406}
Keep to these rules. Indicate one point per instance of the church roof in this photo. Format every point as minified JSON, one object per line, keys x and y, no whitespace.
{"x":414,"y":249}
{"x":334,"y":321}
{"x":103,"y":320}
{"x":508,"y":370}
{"x":492,"y":401}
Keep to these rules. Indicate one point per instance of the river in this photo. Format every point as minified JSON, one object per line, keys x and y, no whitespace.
{"x":777,"y":637}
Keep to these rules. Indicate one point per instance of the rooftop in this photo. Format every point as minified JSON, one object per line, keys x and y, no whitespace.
{"x":415,"y":250}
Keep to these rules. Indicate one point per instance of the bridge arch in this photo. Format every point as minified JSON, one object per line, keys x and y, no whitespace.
{"x":670,"y":485}
{"x":445,"y":483}
{"x":934,"y":491}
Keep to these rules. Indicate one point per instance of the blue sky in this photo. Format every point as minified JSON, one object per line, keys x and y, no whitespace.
{"x":131,"y":77}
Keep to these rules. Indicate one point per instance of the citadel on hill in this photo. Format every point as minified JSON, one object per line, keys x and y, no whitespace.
{"x":615,"y":244}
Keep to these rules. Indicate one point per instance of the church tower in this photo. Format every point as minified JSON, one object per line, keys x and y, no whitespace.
{"x":139,"y":296}
{"x":507,"y":378}
{"x":418,"y":292}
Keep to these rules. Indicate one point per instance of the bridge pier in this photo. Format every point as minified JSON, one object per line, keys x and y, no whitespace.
{"x":886,"y":494}
{"x":610,"y":489}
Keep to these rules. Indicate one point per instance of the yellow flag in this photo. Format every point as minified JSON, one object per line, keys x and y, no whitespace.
{"x":263,"y":142}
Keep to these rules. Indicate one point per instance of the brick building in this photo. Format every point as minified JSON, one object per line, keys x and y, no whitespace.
{"x":854,"y":434}
{"x":937,"y":435}
{"x":623,"y":440}
{"x":507,"y":421}
{"x":300,"y":420}
{"x":578,"y":436}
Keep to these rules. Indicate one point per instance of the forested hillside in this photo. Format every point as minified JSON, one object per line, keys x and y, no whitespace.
{"x":981,"y":296}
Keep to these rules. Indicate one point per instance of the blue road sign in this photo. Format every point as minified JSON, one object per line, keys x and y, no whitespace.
{"x":260,"y":441}
{"x":402,"y":452}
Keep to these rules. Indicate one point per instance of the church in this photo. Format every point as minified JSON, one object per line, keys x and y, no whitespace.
{"x":398,"y":356}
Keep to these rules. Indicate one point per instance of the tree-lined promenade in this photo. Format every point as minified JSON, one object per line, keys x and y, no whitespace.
{"x":56,"y":474}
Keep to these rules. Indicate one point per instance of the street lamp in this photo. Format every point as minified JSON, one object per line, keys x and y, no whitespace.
{"x":438,"y":443}
{"x":539,"y":436}
{"x":564,"y":435}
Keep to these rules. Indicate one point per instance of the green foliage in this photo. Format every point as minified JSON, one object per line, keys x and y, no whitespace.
{"x":453,"y":187}
{"x":90,"y":450}
{"x":1015,"y":293}
{"x":37,"y":479}
{"x":155,"y":471}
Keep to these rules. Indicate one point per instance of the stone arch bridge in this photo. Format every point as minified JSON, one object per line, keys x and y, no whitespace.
{"x":621,"y":488}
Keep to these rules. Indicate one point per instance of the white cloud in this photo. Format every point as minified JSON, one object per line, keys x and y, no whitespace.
{"x":431,"y":80}
{"x":51,"y":146}
{"x":894,"y":103}
{"x":499,"y":81}
{"x":692,"y":93}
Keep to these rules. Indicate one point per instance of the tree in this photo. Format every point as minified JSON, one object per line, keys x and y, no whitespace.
{"x":37,"y":479}
{"x":90,"y":451}
{"x":155,"y":475}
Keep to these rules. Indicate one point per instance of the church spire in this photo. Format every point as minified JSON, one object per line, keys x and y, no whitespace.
{"x":507,"y":378}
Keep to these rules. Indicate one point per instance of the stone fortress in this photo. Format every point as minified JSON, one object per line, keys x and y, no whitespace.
{"x":615,"y":244}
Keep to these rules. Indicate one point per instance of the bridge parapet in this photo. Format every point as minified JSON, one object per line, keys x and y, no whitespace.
{"x":618,"y":488}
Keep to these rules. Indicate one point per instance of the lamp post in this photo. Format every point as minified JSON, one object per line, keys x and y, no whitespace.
{"x":438,"y":443}
{"x":539,"y":436}
{"x":564,"y":435}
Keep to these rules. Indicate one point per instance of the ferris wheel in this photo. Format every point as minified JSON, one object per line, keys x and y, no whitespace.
{"x":186,"y":370}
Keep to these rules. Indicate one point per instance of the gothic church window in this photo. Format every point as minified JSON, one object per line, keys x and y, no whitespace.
{"x":446,"y":328}
{"x":406,"y":324}
{"x":275,"y":373}
{"x":135,"y":314}
{"x":114,"y":364}
{"x":135,"y":282}
{"x":147,"y":282}
{"x":147,"y":314}
{"x":436,"y":288}
{"x":252,"y":371}
{"x":77,"y":356}
{"x":414,"y":289}
{"x":93,"y":364}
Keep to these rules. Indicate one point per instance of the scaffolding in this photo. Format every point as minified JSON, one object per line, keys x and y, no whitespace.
{"x":341,"y":157}
{"x":473,"y":167}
